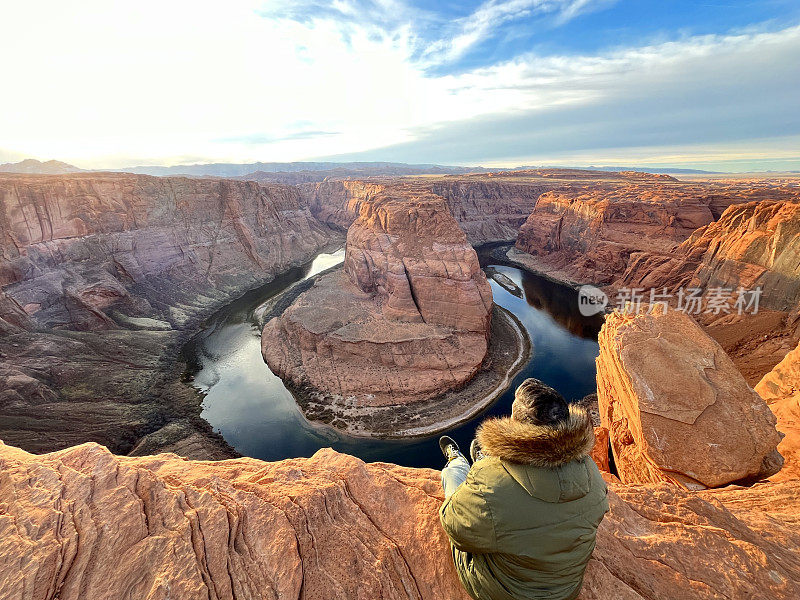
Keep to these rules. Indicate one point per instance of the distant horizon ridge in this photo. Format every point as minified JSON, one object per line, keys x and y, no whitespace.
{"x":230,"y":169}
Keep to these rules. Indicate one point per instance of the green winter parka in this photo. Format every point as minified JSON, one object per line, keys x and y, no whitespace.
{"x":523,"y":524}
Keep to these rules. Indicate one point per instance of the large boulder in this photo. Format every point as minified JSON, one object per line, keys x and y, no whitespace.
{"x":84,"y":523}
{"x":780,"y":388}
{"x":676,"y":407}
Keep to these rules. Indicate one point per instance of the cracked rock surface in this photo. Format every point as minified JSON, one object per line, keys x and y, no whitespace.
{"x":676,"y":407}
{"x":84,"y":523}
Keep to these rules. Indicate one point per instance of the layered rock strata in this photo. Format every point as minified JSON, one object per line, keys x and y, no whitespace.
{"x":591,"y":233}
{"x":756,"y":244}
{"x":83,"y":523}
{"x":101,"y":278}
{"x":753,"y":245}
{"x":77,"y":249}
{"x":407,"y":319}
{"x":676,"y":408}
{"x":487,"y":211}
{"x":668,"y":235}
{"x":489,"y":207}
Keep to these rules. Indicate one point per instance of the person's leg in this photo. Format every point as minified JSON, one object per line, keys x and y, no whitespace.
{"x":454,"y":474}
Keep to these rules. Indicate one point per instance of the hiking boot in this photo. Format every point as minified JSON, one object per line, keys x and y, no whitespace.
{"x":475,"y":451}
{"x":449,"y":447}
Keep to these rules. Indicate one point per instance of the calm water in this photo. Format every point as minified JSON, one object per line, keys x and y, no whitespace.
{"x":258,"y":416}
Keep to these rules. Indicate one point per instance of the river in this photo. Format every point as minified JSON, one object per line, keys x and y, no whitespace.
{"x":258,"y":416}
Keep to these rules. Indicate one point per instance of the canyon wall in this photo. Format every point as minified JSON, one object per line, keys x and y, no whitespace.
{"x":756,"y":244}
{"x":590,"y":233}
{"x":663,"y":236}
{"x":752,"y":245}
{"x":487,"y":211}
{"x":102,"y":276}
{"x":83,"y":523}
{"x":406,"y":320}
{"x":338,"y":203}
{"x":76,"y":249}
{"x":490,"y":211}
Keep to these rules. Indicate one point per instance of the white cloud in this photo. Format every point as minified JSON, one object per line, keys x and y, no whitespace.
{"x":489,"y":16}
{"x":108,"y":84}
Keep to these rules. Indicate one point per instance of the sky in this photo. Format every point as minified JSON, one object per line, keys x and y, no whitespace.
{"x":710,"y":85}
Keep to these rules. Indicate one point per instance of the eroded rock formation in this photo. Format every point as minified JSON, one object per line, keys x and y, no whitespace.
{"x":76,"y":249}
{"x":756,"y":244}
{"x":667,"y":235}
{"x":83,"y":523}
{"x":408,"y":319}
{"x":591,"y":232}
{"x":102,"y":275}
{"x":752,"y":245}
{"x":676,"y":408}
{"x":486,"y":210}
{"x":780,"y":388}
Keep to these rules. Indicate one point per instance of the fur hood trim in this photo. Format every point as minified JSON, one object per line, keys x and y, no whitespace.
{"x":538,"y":445}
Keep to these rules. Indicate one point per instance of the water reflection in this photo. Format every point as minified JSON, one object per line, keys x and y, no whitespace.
{"x":258,"y":416}
{"x":560,"y":303}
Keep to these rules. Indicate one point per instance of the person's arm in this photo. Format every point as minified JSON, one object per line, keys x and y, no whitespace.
{"x":467,"y":519}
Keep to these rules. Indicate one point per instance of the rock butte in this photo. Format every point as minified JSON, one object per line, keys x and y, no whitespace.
{"x":675,"y":406}
{"x":84,"y":523}
{"x":408,"y":319}
{"x":781,"y":390}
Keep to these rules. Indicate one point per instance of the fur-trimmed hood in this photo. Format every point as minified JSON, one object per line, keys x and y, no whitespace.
{"x":538,"y":445}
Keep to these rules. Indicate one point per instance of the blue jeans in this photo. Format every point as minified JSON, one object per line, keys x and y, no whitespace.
{"x":454,"y":474}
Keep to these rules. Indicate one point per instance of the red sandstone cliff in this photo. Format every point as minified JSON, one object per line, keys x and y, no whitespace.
{"x":756,"y":244}
{"x":752,"y":245}
{"x":76,"y":248}
{"x":487,"y":211}
{"x":591,"y":233}
{"x":101,"y":275}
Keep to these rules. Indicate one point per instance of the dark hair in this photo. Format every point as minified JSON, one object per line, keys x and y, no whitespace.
{"x":539,"y":404}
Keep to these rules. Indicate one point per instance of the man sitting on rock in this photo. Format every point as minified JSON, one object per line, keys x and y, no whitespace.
{"x":522,"y":521}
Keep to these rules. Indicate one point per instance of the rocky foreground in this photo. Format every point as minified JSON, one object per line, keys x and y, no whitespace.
{"x":83,"y":523}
